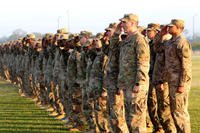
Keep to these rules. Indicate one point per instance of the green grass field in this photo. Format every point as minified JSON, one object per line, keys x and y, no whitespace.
{"x":21,"y":115}
{"x":194,"y":98}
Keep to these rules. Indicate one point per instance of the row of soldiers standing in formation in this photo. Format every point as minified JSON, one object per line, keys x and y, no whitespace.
{"x":105,"y":82}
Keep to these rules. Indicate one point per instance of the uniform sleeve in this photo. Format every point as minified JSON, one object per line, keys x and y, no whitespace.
{"x":184,"y":54}
{"x":143,"y":58}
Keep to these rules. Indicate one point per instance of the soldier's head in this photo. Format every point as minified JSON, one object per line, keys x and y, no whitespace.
{"x":84,"y":35}
{"x":109,"y":31}
{"x":152,"y":30}
{"x":98,"y":44}
{"x":31,"y":39}
{"x":63,"y":40}
{"x":129,"y":22}
{"x":176,"y":27}
{"x":88,"y":44}
{"x":48,"y":39}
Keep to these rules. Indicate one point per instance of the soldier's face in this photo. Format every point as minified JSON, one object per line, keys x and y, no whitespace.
{"x":151,"y":34}
{"x":127,"y":26}
{"x":173,"y":29}
{"x":83,"y":40}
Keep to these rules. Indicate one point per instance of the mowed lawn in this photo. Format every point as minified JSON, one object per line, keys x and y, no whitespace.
{"x":21,"y":115}
{"x":194,"y":98}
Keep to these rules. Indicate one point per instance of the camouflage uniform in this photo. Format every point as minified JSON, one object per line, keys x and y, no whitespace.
{"x":115,"y":100}
{"x":133,"y":70}
{"x":48,"y":74}
{"x":96,"y":88}
{"x":56,"y":87}
{"x":178,"y":72}
{"x":152,"y":98}
{"x":63,"y":81}
{"x":163,"y":101}
{"x":74,"y":94}
{"x":26,"y":77}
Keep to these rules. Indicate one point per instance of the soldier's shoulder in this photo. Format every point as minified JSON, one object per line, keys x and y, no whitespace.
{"x":184,"y":41}
{"x":140,"y":38}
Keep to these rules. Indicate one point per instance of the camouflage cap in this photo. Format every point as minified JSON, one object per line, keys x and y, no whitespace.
{"x":178,"y":23}
{"x":72,"y":36}
{"x":153,"y":26}
{"x":130,"y":17}
{"x":63,"y":37}
{"x":30,"y":36}
{"x":99,"y":35}
{"x":48,"y":35}
{"x":85,"y":34}
{"x":20,"y":39}
{"x":62,"y":31}
{"x":111,"y":26}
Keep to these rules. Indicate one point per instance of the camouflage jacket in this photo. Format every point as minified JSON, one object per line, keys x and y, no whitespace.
{"x":97,"y":72}
{"x":178,"y":61}
{"x":133,"y":61}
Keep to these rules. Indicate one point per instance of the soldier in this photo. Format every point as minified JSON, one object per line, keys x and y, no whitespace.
{"x":63,"y":92}
{"x":152,"y":30}
{"x":96,"y":88}
{"x":133,"y":79}
{"x":158,"y":100}
{"x":178,"y":70}
{"x":56,"y":71}
{"x":81,"y":72}
{"x":48,"y":72}
{"x":27,"y":60}
{"x":115,"y":102}
{"x":74,"y":94}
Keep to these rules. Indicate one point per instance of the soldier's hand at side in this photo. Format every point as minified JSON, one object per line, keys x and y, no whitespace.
{"x":180,"y":89}
{"x":118,"y":91}
{"x":104,"y":94}
{"x":160,"y":87}
{"x":136,"y":88}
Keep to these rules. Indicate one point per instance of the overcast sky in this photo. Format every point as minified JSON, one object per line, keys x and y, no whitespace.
{"x":93,"y":15}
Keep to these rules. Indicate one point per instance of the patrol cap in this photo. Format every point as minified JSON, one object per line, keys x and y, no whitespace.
{"x":111,"y":26}
{"x":153,"y":26}
{"x":85,"y":34}
{"x":72,"y":36}
{"x":63,"y":37}
{"x":48,"y":35}
{"x":30,"y":36}
{"x":99,"y":35}
{"x":62,"y":31}
{"x":178,"y":23}
{"x":130,"y":17}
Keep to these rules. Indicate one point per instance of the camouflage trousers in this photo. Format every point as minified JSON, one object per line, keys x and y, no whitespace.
{"x":164,"y":112}
{"x":75,"y":105}
{"x":49,"y":88}
{"x":63,"y":93}
{"x":26,"y":84}
{"x":116,"y":110}
{"x":179,"y":108}
{"x":136,"y":108}
{"x":57,"y":103}
{"x":101,"y":111}
{"x":153,"y":107}
{"x":88,"y":106}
